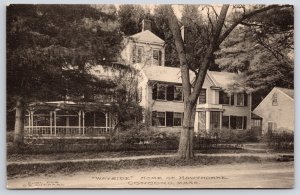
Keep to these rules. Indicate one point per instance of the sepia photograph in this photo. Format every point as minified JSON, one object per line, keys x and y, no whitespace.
{"x":150,"y":96}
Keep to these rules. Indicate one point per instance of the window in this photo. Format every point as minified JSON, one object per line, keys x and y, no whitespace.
{"x":170,"y":92}
{"x":178,"y":93}
{"x":232,"y":99}
{"x":275,"y":99}
{"x":161,"y":92}
{"x":178,"y":119}
{"x":215,"y":120}
{"x":156,"y":57}
{"x":168,"y":119}
{"x":161,"y":116}
{"x":240,"y":99}
{"x":167,"y":92}
{"x":225,"y":122}
{"x":238,"y":122}
{"x":140,"y":54}
{"x":224,"y":98}
{"x":202,"y":96}
{"x":201,"y":121}
{"x":256,"y":122}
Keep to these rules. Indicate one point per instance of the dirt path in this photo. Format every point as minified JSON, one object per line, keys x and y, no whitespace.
{"x":254,"y":175}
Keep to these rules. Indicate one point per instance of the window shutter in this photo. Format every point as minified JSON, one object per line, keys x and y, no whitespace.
{"x":233,"y":122}
{"x":154,"y":114}
{"x":245,"y":99}
{"x":221,"y":95}
{"x":160,"y":58}
{"x":170,"y":92}
{"x":245,"y":123}
{"x":169,"y":119}
{"x":154,"y":92}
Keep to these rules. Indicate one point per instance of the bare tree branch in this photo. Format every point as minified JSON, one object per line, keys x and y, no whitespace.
{"x":246,"y":16}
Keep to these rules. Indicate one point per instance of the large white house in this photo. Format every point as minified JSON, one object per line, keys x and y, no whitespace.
{"x":160,"y":89}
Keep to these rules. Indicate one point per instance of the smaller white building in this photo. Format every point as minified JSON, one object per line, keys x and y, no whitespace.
{"x":277,"y":110}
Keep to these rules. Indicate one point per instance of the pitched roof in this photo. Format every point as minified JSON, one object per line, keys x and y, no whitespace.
{"x":173,"y":75}
{"x":147,"y":36}
{"x":222,"y":79}
{"x":289,"y":92}
{"x":164,"y":73}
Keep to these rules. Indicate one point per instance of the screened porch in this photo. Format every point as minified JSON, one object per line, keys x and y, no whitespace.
{"x":68,"y":120}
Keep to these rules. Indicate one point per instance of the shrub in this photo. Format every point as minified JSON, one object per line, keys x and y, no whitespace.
{"x":281,"y":140}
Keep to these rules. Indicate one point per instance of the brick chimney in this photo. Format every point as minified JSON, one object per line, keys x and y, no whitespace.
{"x":146,"y":25}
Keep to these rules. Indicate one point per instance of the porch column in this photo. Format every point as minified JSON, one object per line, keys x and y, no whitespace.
{"x":83,"y":122}
{"x":79,"y":121}
{"x":207,"y":123}
{"x":55,"y":123}
{"x":106,"y":121}
{"x":31,"y":121}
{"x":221,"y":116}
{"x":51,"y":121}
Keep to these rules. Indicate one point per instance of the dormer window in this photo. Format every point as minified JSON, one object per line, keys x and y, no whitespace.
{"x":156,"y":57}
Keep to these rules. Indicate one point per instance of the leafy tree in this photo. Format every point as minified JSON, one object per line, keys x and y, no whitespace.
{"x":261,"y":48}
{"x":130,"y":18}
{"x":50,"y":49}
{"x":220,"y":29}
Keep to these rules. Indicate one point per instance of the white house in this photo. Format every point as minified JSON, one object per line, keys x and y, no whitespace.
{"x":160,"y":89}
{"x":277,"y":110}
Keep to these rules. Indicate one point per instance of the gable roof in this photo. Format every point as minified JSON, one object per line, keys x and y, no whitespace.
{"x":148,"y":37}
{"x":288,"y":92}
{"x":222,"y":79}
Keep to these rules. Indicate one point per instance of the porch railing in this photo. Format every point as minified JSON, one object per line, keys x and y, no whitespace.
{"x":60,"y":131}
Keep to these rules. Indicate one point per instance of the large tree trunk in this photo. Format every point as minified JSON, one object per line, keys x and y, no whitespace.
{"x":19,"y":123}
{"x":185,"y":149}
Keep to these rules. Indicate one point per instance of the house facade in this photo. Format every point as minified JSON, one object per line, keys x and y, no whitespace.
{"x":277,"y":110}
{"x":219,"y":108}
{"x":160,"y":90}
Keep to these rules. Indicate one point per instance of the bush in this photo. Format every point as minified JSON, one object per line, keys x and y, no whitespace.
{"x":281,"y":140}
{"x":142,"y":137}
{"x":232,"y":136}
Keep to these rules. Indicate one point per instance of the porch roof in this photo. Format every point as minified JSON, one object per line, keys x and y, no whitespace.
{"x":255,"y":116}
{"x":69,"y":105}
